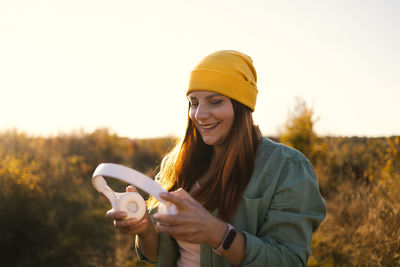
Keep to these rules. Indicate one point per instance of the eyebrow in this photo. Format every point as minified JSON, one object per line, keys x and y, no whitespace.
{"x":207,"y":97}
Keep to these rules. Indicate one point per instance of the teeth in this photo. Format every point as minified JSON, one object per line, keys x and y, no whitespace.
{"x":209,"y":126}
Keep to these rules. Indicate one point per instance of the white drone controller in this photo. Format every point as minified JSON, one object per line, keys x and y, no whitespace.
{"x":130,"y":202}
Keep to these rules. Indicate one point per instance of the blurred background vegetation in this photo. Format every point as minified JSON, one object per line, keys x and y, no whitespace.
{"x":52,"y":216}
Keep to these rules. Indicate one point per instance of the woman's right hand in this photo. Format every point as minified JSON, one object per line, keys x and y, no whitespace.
{"x":144,"y":229}
{"x":130,"y":226}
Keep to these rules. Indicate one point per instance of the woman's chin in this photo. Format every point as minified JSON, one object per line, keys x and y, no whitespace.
{"x":208,"y":141}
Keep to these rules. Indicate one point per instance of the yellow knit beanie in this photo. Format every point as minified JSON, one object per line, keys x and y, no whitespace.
{"x":229,"y":73}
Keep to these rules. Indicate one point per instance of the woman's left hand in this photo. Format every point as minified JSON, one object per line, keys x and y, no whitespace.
{"x":192,"y":223}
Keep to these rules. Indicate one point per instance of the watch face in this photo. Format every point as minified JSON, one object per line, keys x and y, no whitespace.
{"x":229,"y":239}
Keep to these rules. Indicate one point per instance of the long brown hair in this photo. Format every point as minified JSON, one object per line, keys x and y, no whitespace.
{"x":228,"y":175}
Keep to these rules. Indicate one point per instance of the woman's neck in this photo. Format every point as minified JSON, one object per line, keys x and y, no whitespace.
{"x":217,"y":151}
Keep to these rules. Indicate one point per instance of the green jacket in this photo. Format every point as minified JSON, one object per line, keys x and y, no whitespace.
{"x":278,"y":212}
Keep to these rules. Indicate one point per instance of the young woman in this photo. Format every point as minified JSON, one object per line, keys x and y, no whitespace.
{"x":242,"y":199}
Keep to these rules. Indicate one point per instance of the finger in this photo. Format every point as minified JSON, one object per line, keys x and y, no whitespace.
{"x":131,"y":226}
{"x":126,"y":223}
{"x":168,"y":219}
{"x":167,"y":229}
{"x":131,"y":188}
{"x":184,"y":198}
{"x":140,"y":226}
{"x":178,"y":201}
{"x":182,"y":193}
{"x":116,"y":215}
{"x":179,"y":232}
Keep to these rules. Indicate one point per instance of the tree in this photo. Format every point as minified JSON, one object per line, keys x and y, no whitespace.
{"x":299,"y":130}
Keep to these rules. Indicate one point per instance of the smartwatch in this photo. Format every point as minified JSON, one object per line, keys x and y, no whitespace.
{"x":226,"y":241}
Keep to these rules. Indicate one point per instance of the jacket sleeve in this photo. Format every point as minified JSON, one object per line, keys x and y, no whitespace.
{"x":139,"y":253}
{"x":295,"y":212}
{"x":167,"y":249}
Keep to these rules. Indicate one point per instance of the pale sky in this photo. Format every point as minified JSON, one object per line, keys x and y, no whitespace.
{"x":125,"y":65}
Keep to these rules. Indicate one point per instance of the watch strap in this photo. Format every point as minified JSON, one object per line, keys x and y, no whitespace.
{"x":226,"y":241}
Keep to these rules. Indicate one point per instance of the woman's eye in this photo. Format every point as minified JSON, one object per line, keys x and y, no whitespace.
{"x":194,"y":104}
{"x":216,"y":102}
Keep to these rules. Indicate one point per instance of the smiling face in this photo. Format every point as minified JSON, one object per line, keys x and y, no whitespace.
{"x":212,"y":115}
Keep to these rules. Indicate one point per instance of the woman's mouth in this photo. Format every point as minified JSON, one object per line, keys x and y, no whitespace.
{"x":208,"y":127}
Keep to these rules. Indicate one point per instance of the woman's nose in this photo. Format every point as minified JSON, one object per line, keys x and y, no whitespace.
{"x":202,"y":113}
